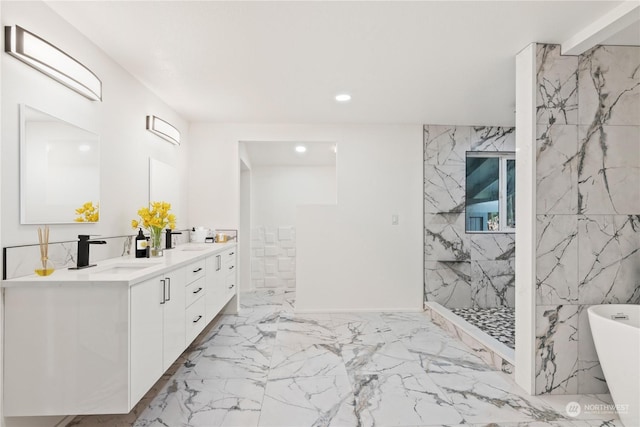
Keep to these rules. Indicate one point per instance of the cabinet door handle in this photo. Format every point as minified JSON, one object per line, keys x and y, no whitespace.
{"x":197,"y":270}
{"x":197,"y":290}
{"x":231,"y":286}
{"x":231,"y":268}
{"x":169,"y":291}
{"x":219,"y":266}
{"x":198,"y":318}
{"x":164,"y":291}
{"x":231,"y":253}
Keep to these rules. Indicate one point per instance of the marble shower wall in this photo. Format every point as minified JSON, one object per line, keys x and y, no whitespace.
{"x":462,"y":270}
{"x":273,"y":257}
{"x":588,"y":205}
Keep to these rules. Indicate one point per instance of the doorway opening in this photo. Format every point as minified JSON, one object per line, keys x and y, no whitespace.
{"x":276,"y":178}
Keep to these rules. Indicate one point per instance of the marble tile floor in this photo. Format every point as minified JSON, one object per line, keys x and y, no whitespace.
{"x":498,"y":322}
{"x":270,"y":367}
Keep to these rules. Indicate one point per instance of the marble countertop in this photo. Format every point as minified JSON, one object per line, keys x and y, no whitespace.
{"x":123,"y":271}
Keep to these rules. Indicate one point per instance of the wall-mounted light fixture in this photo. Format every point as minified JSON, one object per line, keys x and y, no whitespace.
{"x":163,"y":129}
{"x":48,"y":59}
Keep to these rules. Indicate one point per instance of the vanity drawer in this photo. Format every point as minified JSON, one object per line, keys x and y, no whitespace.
{"x":194,"y":291}
{"x":229,"y":256}
{"x":195,"y":320}
{"x":230,"y":283}
{"x":229,"y":267}
{"x":195,"y":271}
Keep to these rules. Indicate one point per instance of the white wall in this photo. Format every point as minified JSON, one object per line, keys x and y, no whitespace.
{"x":119,"y":120}
{"x":525,"y":212}
{"x":278,"y":190}
{"x":365,"y":263}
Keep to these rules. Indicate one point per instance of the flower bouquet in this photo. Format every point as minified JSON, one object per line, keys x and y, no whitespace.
{"x":155,"y":219}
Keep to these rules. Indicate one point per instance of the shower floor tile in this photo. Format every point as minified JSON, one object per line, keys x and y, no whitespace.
{"x":499,"y":322}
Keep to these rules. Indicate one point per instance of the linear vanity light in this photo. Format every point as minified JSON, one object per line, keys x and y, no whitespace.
{"x":163,"y":129}
{"x":49,"y":60}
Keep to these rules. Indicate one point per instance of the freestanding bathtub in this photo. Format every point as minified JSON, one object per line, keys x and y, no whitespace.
{"x":616,"y":334}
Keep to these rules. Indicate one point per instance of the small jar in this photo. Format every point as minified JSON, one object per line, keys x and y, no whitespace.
{"x":45,"y":267}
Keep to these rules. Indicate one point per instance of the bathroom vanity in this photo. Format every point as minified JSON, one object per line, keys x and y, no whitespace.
{"x":94,"y":341}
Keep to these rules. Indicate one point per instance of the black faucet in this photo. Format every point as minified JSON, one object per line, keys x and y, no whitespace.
{"x":83,"y":251}
{"x":168,"y":244}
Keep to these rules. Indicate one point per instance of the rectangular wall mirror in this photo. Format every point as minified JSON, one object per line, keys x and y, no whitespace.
{"x":59,"y":169}
{"x":164,"y":186}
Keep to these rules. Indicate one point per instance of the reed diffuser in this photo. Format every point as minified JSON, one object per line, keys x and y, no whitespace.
{"x":45,"y":267}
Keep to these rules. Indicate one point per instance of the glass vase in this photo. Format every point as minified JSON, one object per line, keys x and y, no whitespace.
{"x":155,"y":242}
{"x":44,"y":267}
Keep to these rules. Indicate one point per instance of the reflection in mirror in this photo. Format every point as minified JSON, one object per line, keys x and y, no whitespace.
{"x":164,"y":185}
{"x":59,"y":170}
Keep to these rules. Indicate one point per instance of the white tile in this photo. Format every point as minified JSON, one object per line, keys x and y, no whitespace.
{"x":326,"y":401}
{"x":271,"y":282}
{"x":380,"y":358}
{"x":490,"y":396}
{"x":287,"y":244}
{"x":402,"y":400}
{"x":291,"y":252}
{"x":229,"y":361}
{"x":271,"y":251}
{"x":259,"y":252}
{"x":306,"y":360}
{"x":270,"y":237}
{"x":257,"y":266}
{"x":284,"y":233}
{"x":206,"y":403}
{"x":270,"y":268}
{"x":285,"y":264}
{"x":286,"y":275}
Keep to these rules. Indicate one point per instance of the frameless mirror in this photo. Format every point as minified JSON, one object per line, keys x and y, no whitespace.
{"x":59,"y":170}
{"x":164,"y":186}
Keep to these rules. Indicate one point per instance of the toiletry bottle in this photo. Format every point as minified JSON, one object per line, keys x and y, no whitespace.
{"x":141,"y":245}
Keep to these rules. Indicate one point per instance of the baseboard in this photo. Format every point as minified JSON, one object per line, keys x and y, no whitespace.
{"x":46,"y":421}
{"x":358,"y":310}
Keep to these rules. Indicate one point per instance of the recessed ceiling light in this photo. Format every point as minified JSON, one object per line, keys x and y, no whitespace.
{"x":301,"y":148}
{"x":343,"y":97}
{"x":84,"y":147}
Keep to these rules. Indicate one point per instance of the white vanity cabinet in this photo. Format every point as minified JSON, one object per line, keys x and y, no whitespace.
{"x":173,"y":337}
{"x":147,"y":352}
{"x":221,"y":281}
{"x":157,"y":328}
{"x":94,"y":343}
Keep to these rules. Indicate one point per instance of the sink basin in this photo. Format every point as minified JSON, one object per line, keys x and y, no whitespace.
{"x":124,"y":268}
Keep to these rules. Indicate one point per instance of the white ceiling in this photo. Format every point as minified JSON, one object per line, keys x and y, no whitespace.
{"x":281,"y":153}
{"x":438,"y":62}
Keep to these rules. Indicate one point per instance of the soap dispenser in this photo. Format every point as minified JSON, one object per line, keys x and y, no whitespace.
{"x":141,"y":245}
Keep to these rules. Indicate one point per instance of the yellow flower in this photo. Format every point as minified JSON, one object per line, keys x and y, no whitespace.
{"x":88,"y":212}
{"x":155,"y":218}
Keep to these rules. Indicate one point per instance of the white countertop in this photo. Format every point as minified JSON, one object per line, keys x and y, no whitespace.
{"x":123,"y":271}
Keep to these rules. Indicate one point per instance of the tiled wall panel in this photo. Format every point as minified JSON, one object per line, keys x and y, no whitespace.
{"x":273,"y":256}
{"x":588,"y":205}
{"x":462,"y":269}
